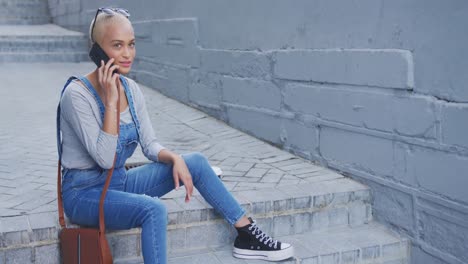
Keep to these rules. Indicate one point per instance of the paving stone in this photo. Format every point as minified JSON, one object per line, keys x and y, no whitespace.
{"x":47,"y":253}
{"x":272,"y":177}
{"x":257,"y":173}
{"x":243,"y":166}
{"x":255,"y":185}
{"x":19,"y":256}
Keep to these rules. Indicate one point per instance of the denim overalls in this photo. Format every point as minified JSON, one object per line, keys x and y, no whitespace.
{"x":132,"y":198}
{"x":126,"y":145}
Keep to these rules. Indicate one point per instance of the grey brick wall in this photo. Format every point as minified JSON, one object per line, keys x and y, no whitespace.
{"x":375,"y":89}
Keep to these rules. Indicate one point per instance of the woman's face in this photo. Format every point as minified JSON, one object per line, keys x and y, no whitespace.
{"x":118,"y":41}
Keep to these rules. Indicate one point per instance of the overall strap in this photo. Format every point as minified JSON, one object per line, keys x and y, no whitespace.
{"x":131,"y":104}
{"x":102,"y":226}
{"x":59,"y":139}
{"x":59,"y":149}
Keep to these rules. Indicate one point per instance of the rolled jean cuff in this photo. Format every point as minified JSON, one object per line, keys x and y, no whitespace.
{"x":234,"y":220}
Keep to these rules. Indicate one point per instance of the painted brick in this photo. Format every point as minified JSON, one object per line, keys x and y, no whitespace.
{"x":172,"y":81}
{"x":205,"y":89}
{"x":373,"y":67}
{"x":177,"y":32}
{"x":235,"y":63}
{"x":171,"y":41}
{"x":359,"y":151}
{"x":444,"y":235}
{"x":250,"y":92}
{"x":393,"y":207}
{"x":169,"y":54}
{"x":412,"y":116}
{"x":420,"y":256}
{"x":300,"y":137}
{"x":263,"y":125}
{"x":142,"y":30}
{"x":454,"y":131}
{"x":446,"y":174}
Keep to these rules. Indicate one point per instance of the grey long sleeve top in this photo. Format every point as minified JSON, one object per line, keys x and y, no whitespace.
{"x":84,"y":144}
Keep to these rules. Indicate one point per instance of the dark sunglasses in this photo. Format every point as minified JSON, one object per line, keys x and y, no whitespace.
{"x":109,"y":11}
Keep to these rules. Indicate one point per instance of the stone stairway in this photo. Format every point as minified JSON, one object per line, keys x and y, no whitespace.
{"x":328,"y":221}
{"x":26,"y":35}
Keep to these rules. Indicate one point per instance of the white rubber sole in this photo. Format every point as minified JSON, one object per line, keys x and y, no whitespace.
{"x":264,"y":255}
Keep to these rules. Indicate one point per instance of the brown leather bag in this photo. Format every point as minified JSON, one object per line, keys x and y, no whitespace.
{"x":85,"y":245}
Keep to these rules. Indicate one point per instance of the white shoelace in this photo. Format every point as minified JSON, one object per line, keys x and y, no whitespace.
{"x":264,"y":238}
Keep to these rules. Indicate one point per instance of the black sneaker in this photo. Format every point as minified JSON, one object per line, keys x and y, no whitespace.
{"x":253,"y":243}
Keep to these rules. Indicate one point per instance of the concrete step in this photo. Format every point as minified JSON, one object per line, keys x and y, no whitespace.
{"x":371,"y":243}
{"x":6,"y":57}
{"x":24,"y":12}
{"x":21,"y":2}
{"x":10,"y":20}
{"x":41,"y":43}
{"x":280,"y":211}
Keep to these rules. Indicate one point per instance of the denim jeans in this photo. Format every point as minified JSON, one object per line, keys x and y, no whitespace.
{"x":126,"y":207}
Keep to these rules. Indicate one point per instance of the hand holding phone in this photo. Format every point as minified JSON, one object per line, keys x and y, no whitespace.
{"x":108,"y":81}
{"x":97,"y":54}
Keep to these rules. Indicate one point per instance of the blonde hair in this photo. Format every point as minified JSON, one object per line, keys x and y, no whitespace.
{"x":103,"y":19}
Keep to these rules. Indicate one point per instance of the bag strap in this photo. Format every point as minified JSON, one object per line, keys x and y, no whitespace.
{"x":102,"y":226}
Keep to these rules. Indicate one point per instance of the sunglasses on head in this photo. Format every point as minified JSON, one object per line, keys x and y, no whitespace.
{"x":109,"y":11}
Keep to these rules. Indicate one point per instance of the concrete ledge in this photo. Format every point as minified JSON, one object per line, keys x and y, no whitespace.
{"x":44,"y":31}
{"x":389,"y":68}
{"x":367,"y":244}
{"x":409,"y":115}
{"x":285,"y":210}
{"x":44,"y":57}
{"x":235,"y":63}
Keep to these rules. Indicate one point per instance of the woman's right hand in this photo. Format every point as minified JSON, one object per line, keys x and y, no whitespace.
{"x":109,"y":83}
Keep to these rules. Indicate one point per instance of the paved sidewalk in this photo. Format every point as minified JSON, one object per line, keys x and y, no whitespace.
{"x":28,"y":156}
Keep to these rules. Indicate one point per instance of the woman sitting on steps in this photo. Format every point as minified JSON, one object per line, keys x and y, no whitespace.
{"x":90,"y":141}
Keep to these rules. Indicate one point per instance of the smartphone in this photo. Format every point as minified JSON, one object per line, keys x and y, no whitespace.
{"x":97,"y":54}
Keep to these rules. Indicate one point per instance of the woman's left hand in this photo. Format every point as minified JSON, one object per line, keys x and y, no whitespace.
{"x":181,"y":172}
